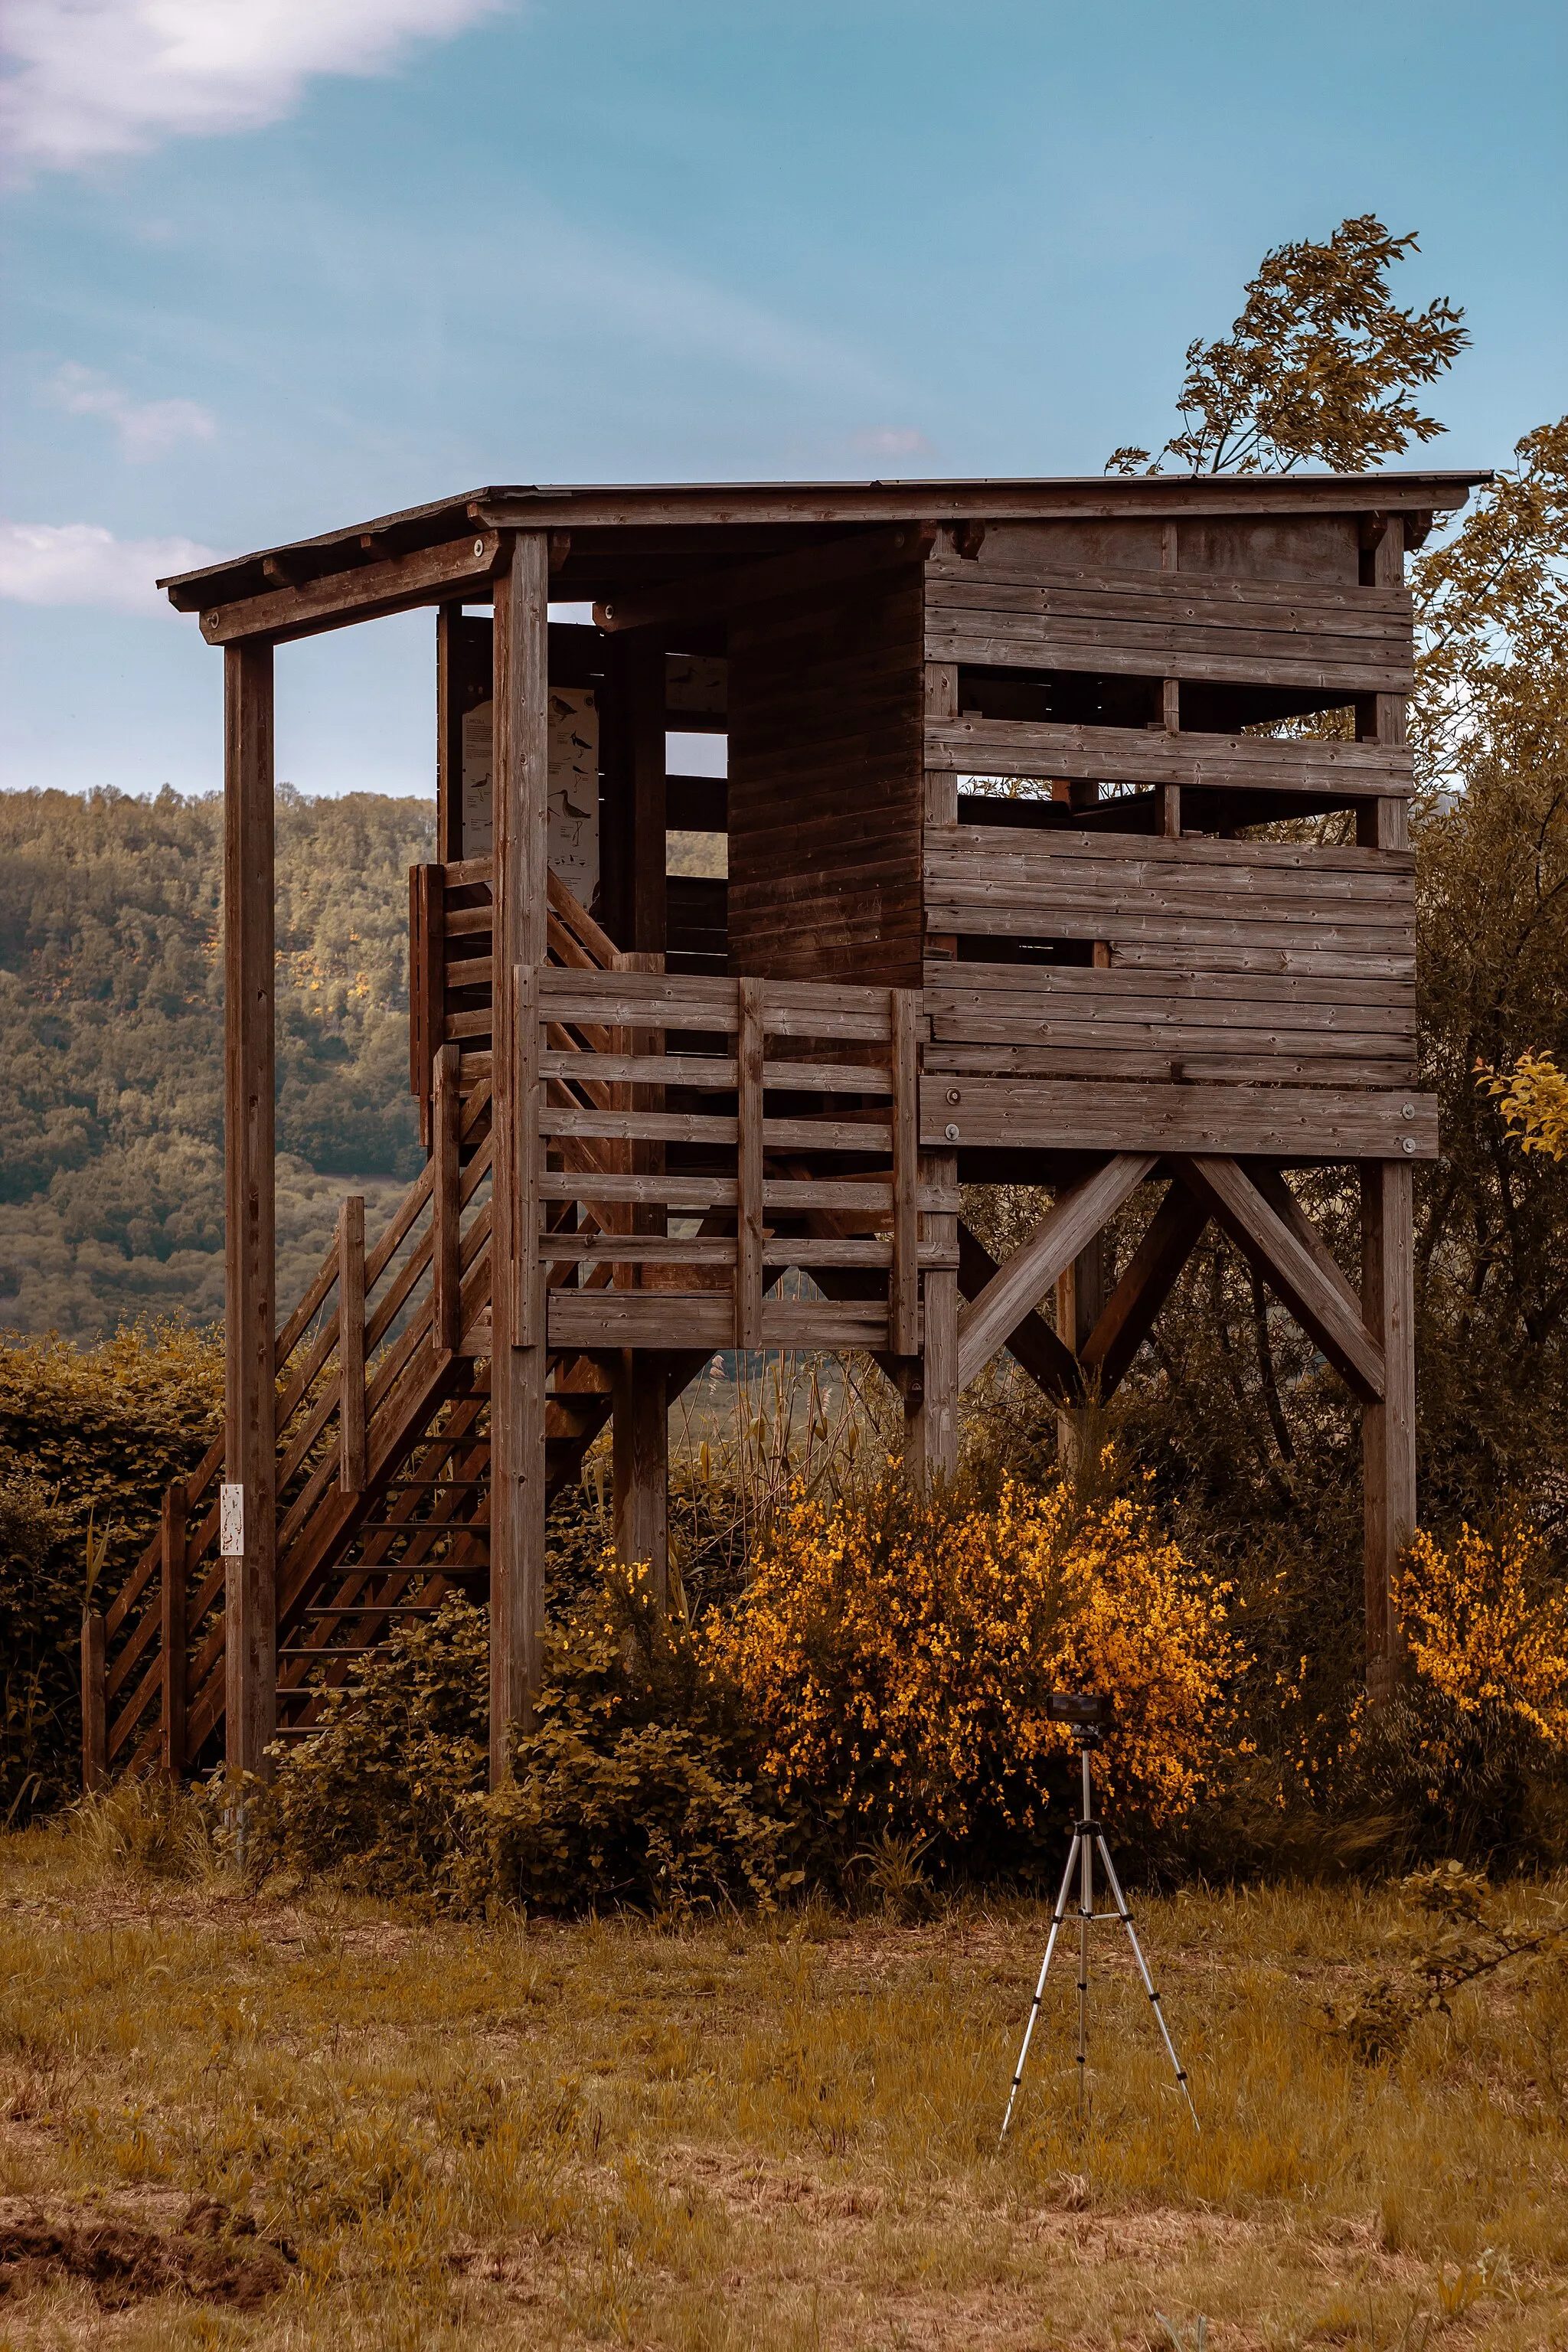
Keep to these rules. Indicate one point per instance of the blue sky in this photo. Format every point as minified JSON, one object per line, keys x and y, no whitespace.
{"x":277,"y":265}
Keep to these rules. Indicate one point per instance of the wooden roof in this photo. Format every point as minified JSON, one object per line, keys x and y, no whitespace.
{"x":610,"y":539}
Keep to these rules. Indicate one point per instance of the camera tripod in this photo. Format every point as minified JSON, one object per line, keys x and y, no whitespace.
{"x":1088,"y":1834}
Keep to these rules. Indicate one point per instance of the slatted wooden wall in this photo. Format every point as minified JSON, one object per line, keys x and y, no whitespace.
{"x":825,"y":783}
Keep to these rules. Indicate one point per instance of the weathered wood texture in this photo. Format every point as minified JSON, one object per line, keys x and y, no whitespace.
{"x":770,"y":1126}
{"x":251,"y":1312}
{"x":1388,"y":1422}
{"x":1135,"y":755}
{"x":826,"y":786}
{"x":1279,"y":1122}
{"x":1212,"y":959}
{"x":518,"y":1411}
{"x":1006,"y":611}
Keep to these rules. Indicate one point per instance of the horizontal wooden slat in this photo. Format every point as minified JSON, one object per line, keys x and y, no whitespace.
{"x":1009,"y":990}
{"x":697,"y":1127}
{"x":694,"y":1192}
{"x":673,"y":1249}
{"x":1020,"y":747}
{"x":1017,"y":1018}
{"x":1246,"y":1060}
{"x":1171,"y":598}
{"x":706,"y":1320}
{"x":1390,"y":946}
{"x":715,"y":1070}
{"x":1283,"y":1122}
{"x":1128,"y":649}
{"x":1304,"y":865}
{"x":1346,"y":606}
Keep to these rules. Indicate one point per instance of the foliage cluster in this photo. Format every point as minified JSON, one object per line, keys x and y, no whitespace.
{"x":897,"y":1653}
{"x":1457,"y":1929}
{"x":111,"y":1046}
{"x":1320,"y":364}
{"x":89,"y":1440}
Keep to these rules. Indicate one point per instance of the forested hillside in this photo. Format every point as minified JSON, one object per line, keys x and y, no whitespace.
{"x":111,"y":1044}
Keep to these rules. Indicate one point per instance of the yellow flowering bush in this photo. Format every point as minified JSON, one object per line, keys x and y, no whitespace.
{"x":1485,"y":1630}
{"x":1533,"y":1099}
{"x":897,"y":1653}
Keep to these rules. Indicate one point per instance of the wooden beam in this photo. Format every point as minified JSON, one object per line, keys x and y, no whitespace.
{"x":1130,"y":1312}
{"x":1289,"y":1267}
{"x":171,"y":1611}
{"x":250,"y":1639}
{"x":931,"y":1394}
{"x":1031,"y":1343}
{"x":1271,"y":1122}
{"x":446,"y":1272}
{"x":94,"y":1702}
{"x":1388,"y":1422}
{"x":1060,"y":748}
{"x":984,"y":1325}
{"x":906,"y":1020}
{"x":520,"y":933}
{"x":727,"y":586}
{"x":749,"y":1164}
{"x":639,"y":1446}
{"x":350,"y":1345}
{"x":432,"y":575}
{"x":648,"y":891}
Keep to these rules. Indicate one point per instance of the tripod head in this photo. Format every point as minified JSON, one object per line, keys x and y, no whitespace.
{"x":1084,"y":1711}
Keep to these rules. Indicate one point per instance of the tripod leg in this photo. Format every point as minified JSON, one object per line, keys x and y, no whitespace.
{"x":1085,"y":1915}
{"x":1126,"y":1917}
{"x":1057,"y":1915}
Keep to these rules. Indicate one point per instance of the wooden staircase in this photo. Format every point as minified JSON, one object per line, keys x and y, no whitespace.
{"x":383,"y":1387}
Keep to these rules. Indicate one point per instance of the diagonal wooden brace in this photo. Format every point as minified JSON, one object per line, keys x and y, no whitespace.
{"x":1325,"y":1306}
{"x":1130,"y":1311}
{"x":985,"y":1324}
{"x":1032,"y":1343}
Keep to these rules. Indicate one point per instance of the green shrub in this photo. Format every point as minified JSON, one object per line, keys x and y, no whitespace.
{"x":624,"y":1790}
{"x":627,"y":1789}
{"x":377,"y":1795}
{"x":40,"y":1624}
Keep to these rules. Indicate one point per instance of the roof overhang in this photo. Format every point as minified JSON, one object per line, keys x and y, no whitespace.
{"x":452,"y":548}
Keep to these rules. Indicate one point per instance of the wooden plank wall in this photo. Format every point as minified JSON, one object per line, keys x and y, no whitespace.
{"x":824,"y":798}
{"x":1213,"y":960}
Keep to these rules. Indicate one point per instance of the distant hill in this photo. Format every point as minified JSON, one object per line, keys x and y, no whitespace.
{"x":111,"y":1044}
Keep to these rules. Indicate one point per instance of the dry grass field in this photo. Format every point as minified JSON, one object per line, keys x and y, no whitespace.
{"x":290,"y":2120}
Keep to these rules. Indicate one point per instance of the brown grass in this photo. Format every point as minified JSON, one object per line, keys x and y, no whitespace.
{"x":739,"y":2134}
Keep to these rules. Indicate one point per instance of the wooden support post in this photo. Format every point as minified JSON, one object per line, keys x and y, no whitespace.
{"x":250,"y":1608}
{"x":930,"y":1405}
{"x":649,"y":895}
{"x":903,"y":1281}
{"x":1388,"y":1423}
{"x":351,"y":1470}
{"x":1129,"y":1314}
{"x":1382,"y":718}
{"x":426,"y":980}
{"x":449,"y":735}
{"x":94,"y":1702}
{"x":640,"y":1464}
{"x":445,"y":1195}
{"x":517,"y":1365}
{"x":172,"y":1603}
{"x":1080,"y":1303}
{"x":749,"y":1052}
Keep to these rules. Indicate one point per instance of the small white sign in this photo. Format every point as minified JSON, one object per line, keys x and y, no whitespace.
{"x":231,"y":1522}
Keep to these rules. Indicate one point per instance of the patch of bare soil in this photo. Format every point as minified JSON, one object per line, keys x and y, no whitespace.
{"x":215,"y":2254}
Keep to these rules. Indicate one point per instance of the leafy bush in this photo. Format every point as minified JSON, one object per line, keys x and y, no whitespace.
{"x":1471,"y":1757}
{"x":627,"y":1789}
{"x":378,"y":1794}
{"x":88,"y":1439}
{"x":624,"y":1790}
{"x":40,"y":1619}
{"x":898,"y":1653}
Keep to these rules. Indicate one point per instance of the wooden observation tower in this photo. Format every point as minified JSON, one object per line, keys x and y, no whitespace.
{"x":668,"y":1116}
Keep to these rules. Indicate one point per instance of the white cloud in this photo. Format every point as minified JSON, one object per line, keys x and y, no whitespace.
{"x":147,"y":428}
{"x":82,"y":563}
{"x":93,"y":77}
